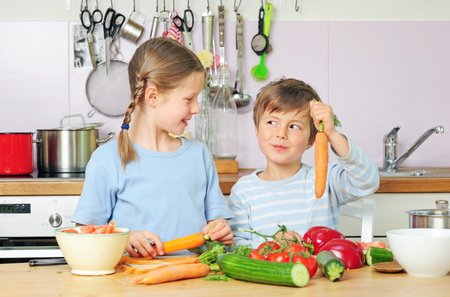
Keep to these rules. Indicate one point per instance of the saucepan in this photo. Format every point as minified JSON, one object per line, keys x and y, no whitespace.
{"x":67,"y":149}
{"x":438,"y":218}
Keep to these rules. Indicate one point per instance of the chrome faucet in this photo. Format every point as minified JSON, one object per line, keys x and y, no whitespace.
{"x":391,"y":162}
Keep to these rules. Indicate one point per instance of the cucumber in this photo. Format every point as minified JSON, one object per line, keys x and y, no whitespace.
{"x":331,"y":266}
{"x":376,"y":255}
{"x":262,"y":271}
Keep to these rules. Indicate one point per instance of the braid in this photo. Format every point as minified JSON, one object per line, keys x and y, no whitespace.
{"x":126,"y":150}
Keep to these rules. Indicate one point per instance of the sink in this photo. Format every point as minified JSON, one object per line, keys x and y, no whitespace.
{"x":418,"y":173}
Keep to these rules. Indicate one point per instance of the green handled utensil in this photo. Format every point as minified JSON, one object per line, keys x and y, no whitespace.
{"x":260,"y":72}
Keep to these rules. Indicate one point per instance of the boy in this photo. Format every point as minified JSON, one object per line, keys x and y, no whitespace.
{"x":286,"y":116}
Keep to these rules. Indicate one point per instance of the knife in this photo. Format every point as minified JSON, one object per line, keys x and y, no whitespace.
{"x":47,"y":262}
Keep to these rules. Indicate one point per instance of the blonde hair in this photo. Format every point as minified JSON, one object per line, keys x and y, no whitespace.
{"x":284,"y":95}
{"x":163,"y":63}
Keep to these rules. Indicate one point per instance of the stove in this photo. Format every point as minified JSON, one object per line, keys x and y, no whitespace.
{"x":27,"y":223}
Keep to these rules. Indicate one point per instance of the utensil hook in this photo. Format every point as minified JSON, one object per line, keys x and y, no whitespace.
{"x":188,"y":5}
{"x":297,"y":6}
{"x":207,"y":5}
{"x":236,"y":7}
{"x":157,"y":8}
{"x":134,"y":5}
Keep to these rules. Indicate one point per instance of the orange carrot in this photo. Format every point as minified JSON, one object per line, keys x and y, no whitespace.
{"x":172,"y":273}
{"x":321,"y":160}
{"x":159,"y":261}
{"x":186,"y":242}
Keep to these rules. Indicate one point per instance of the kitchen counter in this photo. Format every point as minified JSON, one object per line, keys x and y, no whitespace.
{"x":54,"y":186}
{"x":21,"y":280}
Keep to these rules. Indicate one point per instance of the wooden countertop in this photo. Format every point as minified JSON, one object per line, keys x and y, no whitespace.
{"x":21,"y":280}
{"x":53,"y":186}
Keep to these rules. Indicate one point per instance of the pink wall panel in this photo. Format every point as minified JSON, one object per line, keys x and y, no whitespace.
{"x":393,"y":73}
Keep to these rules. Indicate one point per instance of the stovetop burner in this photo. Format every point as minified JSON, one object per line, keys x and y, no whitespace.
{"x":60,"y":175}
{"x":36,"y":174}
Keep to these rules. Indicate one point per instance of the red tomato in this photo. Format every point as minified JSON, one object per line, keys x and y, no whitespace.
{"x":102,"y":229}
{"x":349,"y":252}
{"x":278,"y":257}
{"x":310,"y":263}
{"x":267,"y":247}
{"x":254,"y":254}
{"x":297,"y":248}
{"x":88,"y":229}
{"x":319,"y":235}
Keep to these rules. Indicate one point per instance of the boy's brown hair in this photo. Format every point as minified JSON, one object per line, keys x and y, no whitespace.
{"x":284,"y":95}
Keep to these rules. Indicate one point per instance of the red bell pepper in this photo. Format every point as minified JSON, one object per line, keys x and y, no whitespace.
{"x":349,"y":252}
{"x":320,"y":235}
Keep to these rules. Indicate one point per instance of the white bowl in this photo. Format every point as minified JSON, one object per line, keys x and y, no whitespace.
{"x":421,"y":251}
{"x":92,"y":254}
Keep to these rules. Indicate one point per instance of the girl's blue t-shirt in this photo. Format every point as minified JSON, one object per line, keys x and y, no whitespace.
{"x":171,"y":194}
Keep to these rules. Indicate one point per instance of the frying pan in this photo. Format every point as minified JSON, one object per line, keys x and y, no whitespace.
{"x":109,"y":94}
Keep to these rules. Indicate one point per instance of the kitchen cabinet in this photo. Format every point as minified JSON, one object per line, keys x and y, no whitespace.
{"x":390,"y":212}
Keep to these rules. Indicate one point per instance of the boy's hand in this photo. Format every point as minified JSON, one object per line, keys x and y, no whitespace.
{"x":322,"y":112}
{"x":219,"y":230}
{"x":144,"y":244}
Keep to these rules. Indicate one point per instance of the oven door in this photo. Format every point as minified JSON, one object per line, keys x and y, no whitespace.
{"x":27,"y":224}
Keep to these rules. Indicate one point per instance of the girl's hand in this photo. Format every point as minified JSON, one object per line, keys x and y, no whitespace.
{"x":289,"y":235}
{"x":219,"y":230}
{"x":144,"y":244}
{"x":322,"y":112}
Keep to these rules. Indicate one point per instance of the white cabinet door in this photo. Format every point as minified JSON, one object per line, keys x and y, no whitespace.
{"x":390,"y":212}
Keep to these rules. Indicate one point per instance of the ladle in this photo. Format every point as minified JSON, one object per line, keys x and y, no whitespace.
{"x":241,"y":99}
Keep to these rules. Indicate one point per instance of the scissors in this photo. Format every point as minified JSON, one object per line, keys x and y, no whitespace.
{"x":185,"y":25}
{"x":111,"y":26}
{"x":89,"y":20}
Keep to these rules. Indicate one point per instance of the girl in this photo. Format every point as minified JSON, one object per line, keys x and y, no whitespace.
{"x":161,"y":187}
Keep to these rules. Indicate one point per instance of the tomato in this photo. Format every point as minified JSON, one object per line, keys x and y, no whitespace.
{"x":310,"y":263}
{"x":349,"y":252}
{"x":88,"y":229}
{"x":278,"y":257}
{"x":319,"y":235}
{"x":267,"y":247}
{"x":297,"y":248}
{"x":254,"y":254}
{"x":102,"y":229}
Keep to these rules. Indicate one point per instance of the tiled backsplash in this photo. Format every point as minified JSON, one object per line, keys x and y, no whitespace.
{"x":376,"y":75}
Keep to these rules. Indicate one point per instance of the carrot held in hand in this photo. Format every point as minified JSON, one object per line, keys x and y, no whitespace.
{"x":321,"y":160}
{"x":184,"y":243}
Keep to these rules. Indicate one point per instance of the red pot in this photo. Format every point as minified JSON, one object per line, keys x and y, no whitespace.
{"x":16,"y":153}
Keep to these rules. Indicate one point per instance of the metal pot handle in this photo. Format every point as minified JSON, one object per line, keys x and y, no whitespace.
{"x":442,"y":204}
{"x":72,"y":116}
{"x":38,"y":141}
{"x":105,"y":139}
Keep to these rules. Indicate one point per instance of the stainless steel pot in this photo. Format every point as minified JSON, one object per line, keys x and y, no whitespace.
{"x":431,"y":218}
{"x":67,"y":149}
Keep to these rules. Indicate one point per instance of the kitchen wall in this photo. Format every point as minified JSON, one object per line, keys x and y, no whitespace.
{"x":378,"y":63}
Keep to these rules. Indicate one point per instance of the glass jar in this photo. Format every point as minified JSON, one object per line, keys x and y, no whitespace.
{"x":223,"y":119}
{"x":202,"y":122}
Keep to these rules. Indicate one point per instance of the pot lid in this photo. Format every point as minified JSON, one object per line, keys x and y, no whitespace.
{"x":77,"y":126}
{"x":442,"y":210}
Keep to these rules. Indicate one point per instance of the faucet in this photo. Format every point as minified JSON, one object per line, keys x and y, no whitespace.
{"x":391,"y":162}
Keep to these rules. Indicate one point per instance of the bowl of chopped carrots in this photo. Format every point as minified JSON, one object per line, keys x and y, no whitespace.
{"x":92,"y":250}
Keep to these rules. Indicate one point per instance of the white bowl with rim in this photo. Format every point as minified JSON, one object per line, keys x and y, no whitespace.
{"x":92,"y":254}
{"x":422,"y":252}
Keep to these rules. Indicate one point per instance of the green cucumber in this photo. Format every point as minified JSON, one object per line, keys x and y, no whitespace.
{"x":265,"y":272}
{"x":331,"y":266}
{"x":376,"y":255}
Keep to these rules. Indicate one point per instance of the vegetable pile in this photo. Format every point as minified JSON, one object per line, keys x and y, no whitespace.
{"x":92,"y":229}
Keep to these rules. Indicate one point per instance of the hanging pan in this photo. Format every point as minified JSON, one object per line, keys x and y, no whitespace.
{"x":109,"y":93}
